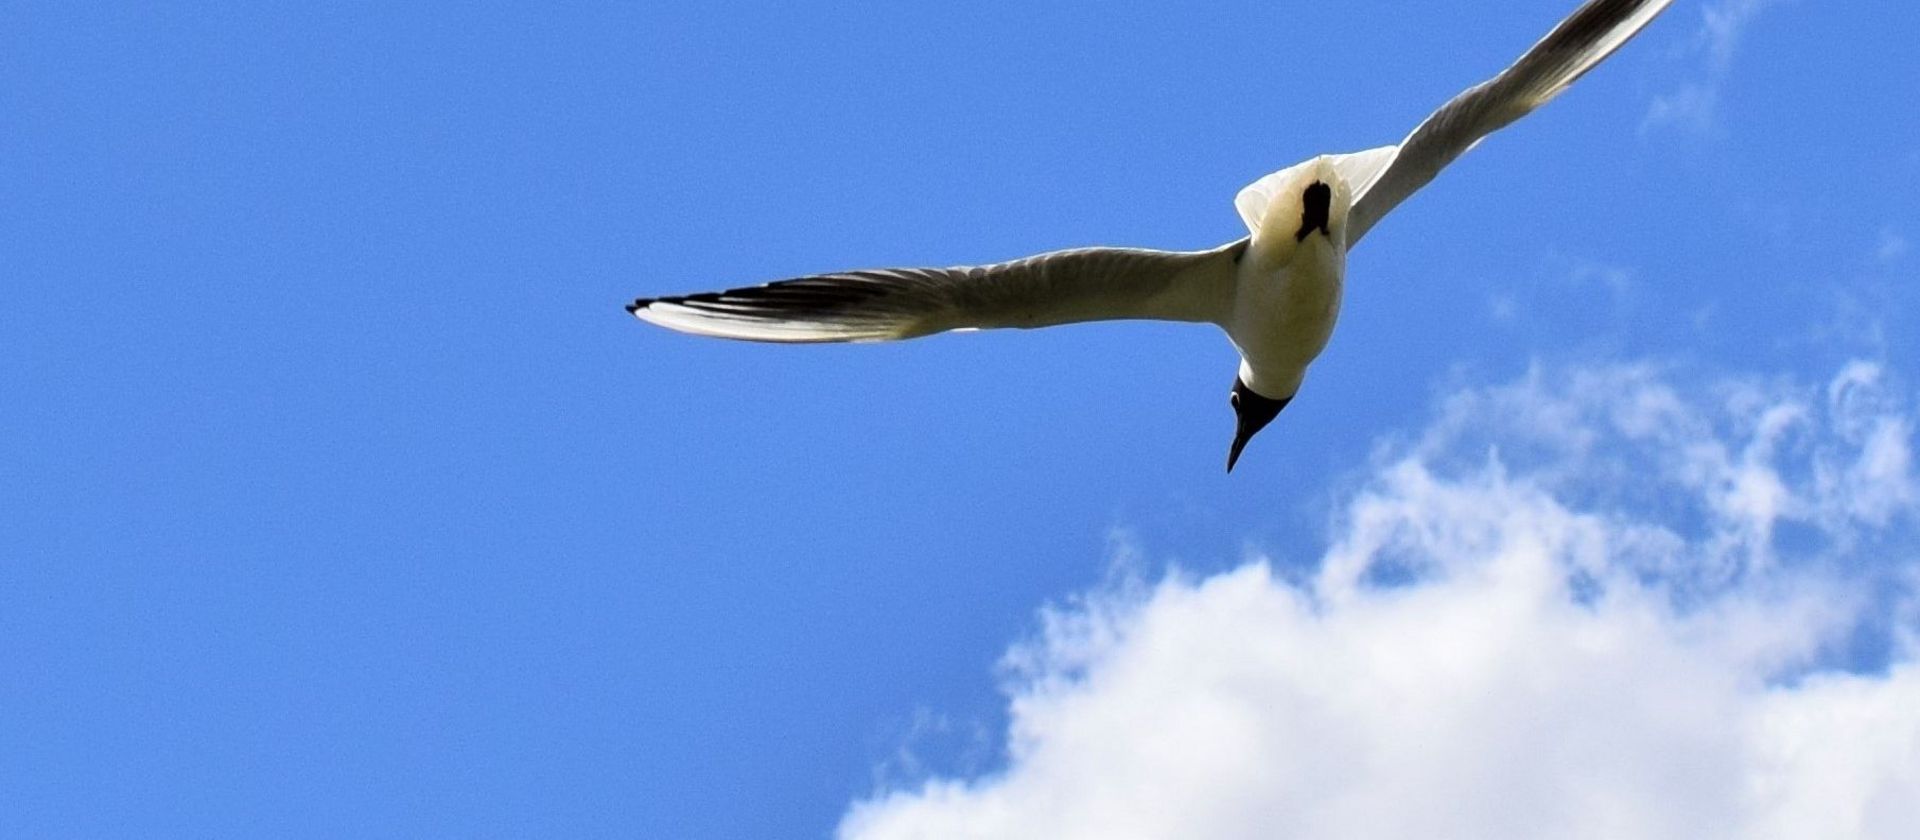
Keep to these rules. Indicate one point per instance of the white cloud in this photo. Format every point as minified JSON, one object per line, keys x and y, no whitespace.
{"x":1695,"y":106}
{"x":930,"y":730}
{"x":1609,"y":602}
{"x":1892,"y":247}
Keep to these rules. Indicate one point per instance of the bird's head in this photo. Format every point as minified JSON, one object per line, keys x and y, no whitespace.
{"x":1252,"y":410}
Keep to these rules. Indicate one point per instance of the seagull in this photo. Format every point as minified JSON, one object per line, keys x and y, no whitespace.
{"x":1276,"y":292}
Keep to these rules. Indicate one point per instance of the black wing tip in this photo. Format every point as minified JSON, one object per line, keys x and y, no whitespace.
{"x":1598,"y":17}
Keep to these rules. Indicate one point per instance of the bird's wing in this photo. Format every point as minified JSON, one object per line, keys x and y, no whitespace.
{"x":1087,"y":284}
{"x":1579,"y":43}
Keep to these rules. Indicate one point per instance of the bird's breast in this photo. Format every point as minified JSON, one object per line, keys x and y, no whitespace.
{"x":1284,"y":315}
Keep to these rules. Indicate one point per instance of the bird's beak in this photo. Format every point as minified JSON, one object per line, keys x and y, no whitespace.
{"x":1252,"y":413}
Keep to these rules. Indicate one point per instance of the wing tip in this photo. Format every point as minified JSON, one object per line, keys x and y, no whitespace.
{"x":668,"y":312}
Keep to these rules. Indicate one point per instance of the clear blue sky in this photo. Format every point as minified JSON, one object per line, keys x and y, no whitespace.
{"x":340,"y":497}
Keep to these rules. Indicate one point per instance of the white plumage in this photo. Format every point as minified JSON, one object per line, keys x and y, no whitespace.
{"x":1275,"y":292}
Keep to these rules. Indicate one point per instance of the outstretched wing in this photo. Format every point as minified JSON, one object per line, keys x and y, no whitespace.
{"x":1087,"y":284}
{"x":1579,"y":43}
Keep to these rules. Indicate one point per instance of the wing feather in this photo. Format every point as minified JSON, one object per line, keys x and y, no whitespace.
{"x":1086,"y":284}
{"x":1577,"y":45}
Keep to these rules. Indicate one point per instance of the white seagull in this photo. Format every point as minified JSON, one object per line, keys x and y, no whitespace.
{"x":1276,"y":292}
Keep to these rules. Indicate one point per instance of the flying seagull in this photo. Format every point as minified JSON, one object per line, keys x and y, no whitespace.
{"x":1276,"y":292}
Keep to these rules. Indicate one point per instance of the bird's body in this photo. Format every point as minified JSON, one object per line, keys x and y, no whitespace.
{"x":1276,"y":292}
{"x":1287,"y":285}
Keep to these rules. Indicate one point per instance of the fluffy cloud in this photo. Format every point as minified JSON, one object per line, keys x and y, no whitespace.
{"x":1591,"y":603}
{"x":1696,"y":105}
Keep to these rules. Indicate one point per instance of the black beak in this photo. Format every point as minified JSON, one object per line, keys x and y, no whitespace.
{"x":1252,"y":413}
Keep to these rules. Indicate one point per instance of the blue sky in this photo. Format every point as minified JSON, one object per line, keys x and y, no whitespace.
{"x":341,"y":497}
